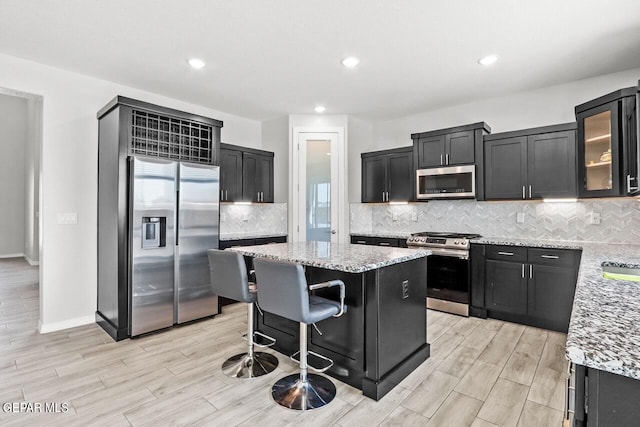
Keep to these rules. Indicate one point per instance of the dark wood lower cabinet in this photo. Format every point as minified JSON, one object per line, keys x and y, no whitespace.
{"x":603,"y":399}
{"x":534,"y":286}
{"x":506,"y":288}
{"x":224,"y":244}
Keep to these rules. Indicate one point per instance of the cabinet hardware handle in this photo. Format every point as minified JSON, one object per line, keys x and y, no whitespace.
{"x":549,"y":256}
{"x":226,"y":195}
{"x":506,"y":253}
{"x":383,"y":196}
{"x":441,"y":163}
{"x":530,"y":271}
{"x":387,"y":196}
{"x":447,"y":157}
{"x":629,"y":187}
{"x":384,"y":244}
{"x":529,"y":191}
{"x":222,"y":195}
{"x":523,"y":271}
{"x":523,"y":194}
{"x":361,"y":242}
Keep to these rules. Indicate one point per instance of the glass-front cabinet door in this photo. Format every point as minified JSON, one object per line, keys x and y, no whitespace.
{"x":598,"y":151}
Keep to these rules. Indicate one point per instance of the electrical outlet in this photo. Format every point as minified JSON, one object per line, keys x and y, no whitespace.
{"x":394,"y":216}
{"x":405,"y":289}
{"x":223,"y":217}
{"x":68,"y":218}
{"x":414,"y":216}
{"x":520,"y":217}
{"x":594,"y":218}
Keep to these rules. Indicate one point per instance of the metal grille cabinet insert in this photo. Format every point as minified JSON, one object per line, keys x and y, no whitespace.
{"x":163,"y":136}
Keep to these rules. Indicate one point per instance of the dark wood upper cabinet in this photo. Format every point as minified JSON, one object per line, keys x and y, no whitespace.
{"x":387,"y":175}
{"x":608,"y":145}
{"x":531,"y":164}
{"x":431,"y":151}
{"x":257,"y":177}
{"x":230,"y":175}
{"x":246,"y":174}
{"x":374,"y":178}
{"x":505,"y":168}
{"x":460,"y":145}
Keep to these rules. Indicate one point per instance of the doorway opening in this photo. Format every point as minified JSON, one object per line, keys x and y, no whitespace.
{"x":20,"y":201}
{"x":318,"y":190}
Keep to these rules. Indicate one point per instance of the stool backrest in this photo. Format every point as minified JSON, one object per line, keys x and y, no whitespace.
{"x":229,"y":275}
{"x":282,"y":288}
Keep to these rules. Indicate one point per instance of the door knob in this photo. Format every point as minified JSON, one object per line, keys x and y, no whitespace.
{"x":333,"y":231}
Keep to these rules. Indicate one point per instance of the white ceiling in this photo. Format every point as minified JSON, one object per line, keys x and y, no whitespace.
{"x":271,"y":58}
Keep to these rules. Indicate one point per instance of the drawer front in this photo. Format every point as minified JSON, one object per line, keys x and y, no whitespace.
{"x":384,"y":241}
{"x":506,"y":253}
{"x":360,"y":240}
{"x":559,"y":257}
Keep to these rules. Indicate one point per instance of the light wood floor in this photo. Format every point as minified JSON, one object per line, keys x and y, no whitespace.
{"x":481,"y":373}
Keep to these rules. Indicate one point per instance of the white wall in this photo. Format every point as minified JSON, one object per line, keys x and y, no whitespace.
{"x":541,"y":107}
{"x":69,"y":177}
{"x":360,"y":134}
{"x":13,"y":143}
{"x":275,"y":137}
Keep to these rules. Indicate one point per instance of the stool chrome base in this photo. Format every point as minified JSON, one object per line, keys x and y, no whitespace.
{"x":244,"y":366}
{"x":295,"y":393}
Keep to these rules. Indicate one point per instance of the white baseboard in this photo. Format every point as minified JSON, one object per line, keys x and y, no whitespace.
{"x":45,"y":328}
{"x":31,"y":262}
{"x":12,"y":256}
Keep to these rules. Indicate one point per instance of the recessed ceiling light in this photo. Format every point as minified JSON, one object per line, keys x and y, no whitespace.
{"x":196,"y":63}
{"x":488,"y":60}
{"x":320,"y":108}
{"x":350,"y":61}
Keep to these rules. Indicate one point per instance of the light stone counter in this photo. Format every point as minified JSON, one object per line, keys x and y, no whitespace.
{"x":333,"y":256}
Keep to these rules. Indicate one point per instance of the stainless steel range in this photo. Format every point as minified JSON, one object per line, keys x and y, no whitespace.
{"x":448,"y":269}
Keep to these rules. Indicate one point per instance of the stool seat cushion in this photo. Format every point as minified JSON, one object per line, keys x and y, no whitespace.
{"x":320,"y":309}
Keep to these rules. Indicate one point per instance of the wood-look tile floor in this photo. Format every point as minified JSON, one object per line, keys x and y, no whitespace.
{"x":481,"y":373}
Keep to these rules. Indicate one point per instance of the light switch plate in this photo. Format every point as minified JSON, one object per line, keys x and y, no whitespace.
{"x":223,"y":217}
{"x":68,"y":218}
{"x":520,"y":217}
{"x":414,"y":216}
{"x":394,"y":216}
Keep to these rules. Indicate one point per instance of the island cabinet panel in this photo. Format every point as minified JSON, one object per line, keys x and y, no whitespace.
{"x":379,"y":340}
{"x":603,"y":399}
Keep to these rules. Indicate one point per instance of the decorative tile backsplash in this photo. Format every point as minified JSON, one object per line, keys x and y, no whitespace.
{"x":620,"y":219}
{"x":260,"y":218}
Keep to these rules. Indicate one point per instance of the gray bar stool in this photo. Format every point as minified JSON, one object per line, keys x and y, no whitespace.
{"x":229,"y":279}
{"x":284,"y":292}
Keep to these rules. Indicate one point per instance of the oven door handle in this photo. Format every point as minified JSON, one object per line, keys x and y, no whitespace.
{"x":454,"y":253}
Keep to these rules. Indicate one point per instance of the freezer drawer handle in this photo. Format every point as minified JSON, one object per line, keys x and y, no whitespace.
{"x":549,"y":256}
{"x":506,"y":253}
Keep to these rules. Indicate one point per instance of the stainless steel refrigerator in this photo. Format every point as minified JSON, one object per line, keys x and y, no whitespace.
{"x":174,"y":219}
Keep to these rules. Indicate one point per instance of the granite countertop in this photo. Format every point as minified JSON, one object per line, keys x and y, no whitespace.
{"x":248,"y":235}
{"x":604,"y":332}
{"x":391,"y":235}
{"x":333,"y":256}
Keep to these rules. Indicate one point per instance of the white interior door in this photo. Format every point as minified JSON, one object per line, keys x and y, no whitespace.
{"x":318,"y":185}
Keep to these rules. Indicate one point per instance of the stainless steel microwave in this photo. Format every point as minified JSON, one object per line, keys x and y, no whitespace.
{"x":453,"y":182}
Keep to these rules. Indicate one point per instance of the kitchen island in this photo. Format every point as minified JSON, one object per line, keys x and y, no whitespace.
{"x":382,"y":337}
